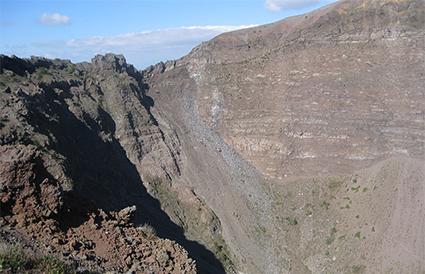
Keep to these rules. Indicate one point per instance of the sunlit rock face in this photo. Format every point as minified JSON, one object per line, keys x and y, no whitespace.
{"x":322,"y":93}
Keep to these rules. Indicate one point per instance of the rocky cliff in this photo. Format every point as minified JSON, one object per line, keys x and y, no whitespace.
{"x":294,"y":147}
{"x":81,"y":140}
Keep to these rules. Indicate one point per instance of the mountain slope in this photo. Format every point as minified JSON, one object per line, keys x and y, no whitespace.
{"x":314,"y":99}
{"x":334,"y":86}
{"x":295,"y":147}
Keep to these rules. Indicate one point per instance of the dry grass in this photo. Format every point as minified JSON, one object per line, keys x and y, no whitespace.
{"x":14,"y":259}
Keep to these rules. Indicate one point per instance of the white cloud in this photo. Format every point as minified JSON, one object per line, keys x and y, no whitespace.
{"x":54,"y":19}
{"x":139,"y":48}
{"x":147,"y":47}
{"x":279,"y":5}
{"x":162,"y":38}
{"x":221,"y":28}
{"x":49,"y":44}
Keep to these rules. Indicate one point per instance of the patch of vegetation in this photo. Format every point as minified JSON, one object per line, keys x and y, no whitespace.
{"x":3,"y":83}
{"x":291,"y":221}
{"x":358,"y":216}
{"x":36,"y":143}
{"x":346,"y":198}
{"x":356,"y":189}
{"x":88,"y":76}
{"x":161,"y":190}
{"x":4,"y":79}
{"x":330,"y":240}
{"x":365,"y":189}
{"x":222,"y":252}
{"x":357,"y":235}
{"x":147,"y":230}
{"x":358,"y":268}
{"x":14,"y":260}
{"x":308,"y":213}
{"x":70,"y":69}
{"x":334,"y":183}
{"x":347,"y":207}
{"x":342,"y":237}
{"x":325,"y":204}
{"x":40,"y":71}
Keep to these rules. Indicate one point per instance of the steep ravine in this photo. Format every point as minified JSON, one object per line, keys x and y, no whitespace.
{"x":228,"y":183}
{"x":92,"y":129}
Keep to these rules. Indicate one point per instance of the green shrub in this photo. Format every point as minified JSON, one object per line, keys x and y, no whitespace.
{"x":3,"y":83}
{"x":357,"y":268}
{"x":14,"y":260}
{"x":222,"y":252}
{"x":88,"y":76}
{"x":291,"y":221}
{"x":70,"y":69}
{"x":40,"y":71}
{"x":355,"y":189}
{"x":36,"y":143}
{"x":325,"y":204}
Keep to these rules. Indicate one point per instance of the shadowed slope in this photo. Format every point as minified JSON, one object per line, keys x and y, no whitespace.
{"x":95,"y":139}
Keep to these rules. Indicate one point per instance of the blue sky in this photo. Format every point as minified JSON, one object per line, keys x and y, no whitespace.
{"x":145,"y":31}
